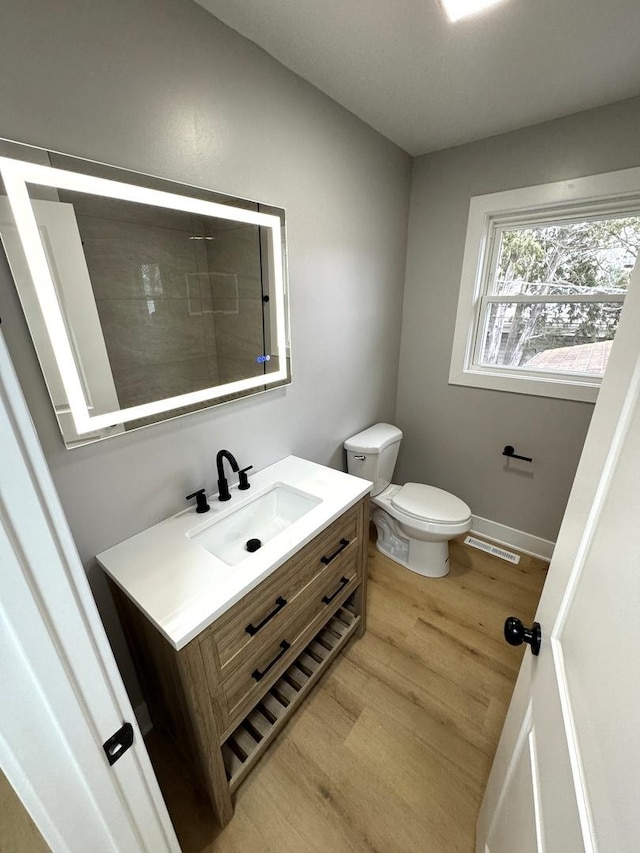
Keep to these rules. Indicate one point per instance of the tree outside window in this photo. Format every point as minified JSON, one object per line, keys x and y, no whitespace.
{"x":555,"y":294}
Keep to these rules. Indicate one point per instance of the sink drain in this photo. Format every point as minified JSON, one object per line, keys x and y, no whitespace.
{"x":253,"y":545}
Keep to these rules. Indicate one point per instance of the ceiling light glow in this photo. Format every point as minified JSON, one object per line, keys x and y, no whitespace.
{"x":457,"y":9}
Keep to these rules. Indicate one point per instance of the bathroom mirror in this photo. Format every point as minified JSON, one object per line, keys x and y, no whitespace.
{"x":145,"y":298}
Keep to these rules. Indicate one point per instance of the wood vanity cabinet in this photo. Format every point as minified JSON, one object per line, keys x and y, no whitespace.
{"x":225,"y":695}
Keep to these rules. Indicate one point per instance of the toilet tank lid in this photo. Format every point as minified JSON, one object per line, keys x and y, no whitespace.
{"x":374,"y":439}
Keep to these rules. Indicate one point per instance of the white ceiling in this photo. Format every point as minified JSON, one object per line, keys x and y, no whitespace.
{"x":427,"y":84}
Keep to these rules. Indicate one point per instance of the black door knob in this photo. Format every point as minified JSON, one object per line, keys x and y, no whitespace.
{"x":515,"y":634}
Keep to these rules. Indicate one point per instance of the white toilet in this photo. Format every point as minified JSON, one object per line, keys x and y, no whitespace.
{"x":414,"y":522}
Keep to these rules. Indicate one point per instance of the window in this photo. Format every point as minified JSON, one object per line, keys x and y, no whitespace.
{"x":545,"y":273}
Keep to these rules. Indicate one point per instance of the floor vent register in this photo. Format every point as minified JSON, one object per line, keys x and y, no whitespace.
{"x":492,"y":549}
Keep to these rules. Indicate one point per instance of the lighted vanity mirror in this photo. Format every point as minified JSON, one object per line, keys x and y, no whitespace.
{"x":145,"y":298}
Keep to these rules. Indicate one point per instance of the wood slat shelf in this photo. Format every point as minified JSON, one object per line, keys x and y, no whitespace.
{"x":249,"y":740}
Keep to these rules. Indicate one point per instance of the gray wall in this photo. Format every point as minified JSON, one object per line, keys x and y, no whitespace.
{"x":454,"y":435}
{"x":162,"y":87}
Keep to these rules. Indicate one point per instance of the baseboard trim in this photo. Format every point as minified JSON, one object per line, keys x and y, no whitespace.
{"x":526,"y":543}
{"x":143,"y":718}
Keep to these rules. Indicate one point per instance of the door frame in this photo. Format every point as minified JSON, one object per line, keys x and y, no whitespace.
{"x":64,"y":696}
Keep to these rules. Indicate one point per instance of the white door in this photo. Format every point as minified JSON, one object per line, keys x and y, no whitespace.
{"x":566,"y":776}
{"x":62,"y":695}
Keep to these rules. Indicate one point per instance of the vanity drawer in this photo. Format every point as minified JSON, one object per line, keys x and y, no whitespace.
{"x":251,"y":675}
{"x":266,"y":608}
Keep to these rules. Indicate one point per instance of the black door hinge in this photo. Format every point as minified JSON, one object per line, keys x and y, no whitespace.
{"x":118,"y":743}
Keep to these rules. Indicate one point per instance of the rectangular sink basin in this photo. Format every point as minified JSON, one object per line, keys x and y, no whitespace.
{"x":261,"y":519}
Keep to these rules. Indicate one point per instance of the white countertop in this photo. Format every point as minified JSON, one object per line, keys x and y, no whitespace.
{"x":182,"y":588}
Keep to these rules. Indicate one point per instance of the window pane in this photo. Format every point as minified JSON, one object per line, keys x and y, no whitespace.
{"x":571,"y":258}
{"x":571,"y":337}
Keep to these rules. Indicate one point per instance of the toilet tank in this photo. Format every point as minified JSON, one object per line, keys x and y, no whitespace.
{"x":372,"y":454}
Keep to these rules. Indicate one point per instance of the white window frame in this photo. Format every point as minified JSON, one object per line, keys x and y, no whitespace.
{"x":596,"y":196}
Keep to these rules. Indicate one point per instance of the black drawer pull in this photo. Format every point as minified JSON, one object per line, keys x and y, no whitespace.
{"x":343,"y":545}
{"x":284,"y":645}
{"x":253,"y":629}
{"x":327,"y":599}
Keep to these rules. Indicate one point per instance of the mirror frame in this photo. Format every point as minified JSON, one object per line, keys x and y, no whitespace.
{"x":17,"y":174}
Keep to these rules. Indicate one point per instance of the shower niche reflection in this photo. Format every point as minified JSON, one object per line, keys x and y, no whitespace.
{"x":146,"y":299}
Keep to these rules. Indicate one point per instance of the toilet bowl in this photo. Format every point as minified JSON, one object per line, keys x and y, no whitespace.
{"x":414,"y":522}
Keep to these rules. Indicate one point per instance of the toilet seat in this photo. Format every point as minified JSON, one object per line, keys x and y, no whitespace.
{"x":427,"y":503}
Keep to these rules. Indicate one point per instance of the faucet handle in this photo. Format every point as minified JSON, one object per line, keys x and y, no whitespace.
{"x":201,"y":500}
{"x":243,"y":481}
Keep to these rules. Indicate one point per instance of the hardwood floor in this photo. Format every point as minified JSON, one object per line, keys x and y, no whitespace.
{"x":392,"y":750}
{"x":18,"y":833}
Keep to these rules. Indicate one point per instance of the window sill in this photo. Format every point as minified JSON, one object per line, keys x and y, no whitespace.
{"x":557,"y":387}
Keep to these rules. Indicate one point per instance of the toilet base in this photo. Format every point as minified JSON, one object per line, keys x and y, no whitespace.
{"x":429,"y":559}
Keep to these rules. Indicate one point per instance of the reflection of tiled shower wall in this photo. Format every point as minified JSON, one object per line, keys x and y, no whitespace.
{"x":178,"y":314}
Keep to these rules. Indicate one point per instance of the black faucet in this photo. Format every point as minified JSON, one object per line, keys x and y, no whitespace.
{"x":223,"y":486}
